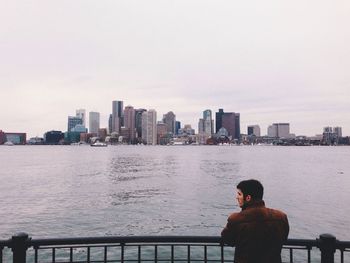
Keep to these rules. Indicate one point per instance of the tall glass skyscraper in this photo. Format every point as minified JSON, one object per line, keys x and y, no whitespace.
{"x":117,"y":115}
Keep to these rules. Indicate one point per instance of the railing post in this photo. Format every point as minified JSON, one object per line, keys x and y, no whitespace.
{"x":327,"y":247}
{"x":19,"y":247}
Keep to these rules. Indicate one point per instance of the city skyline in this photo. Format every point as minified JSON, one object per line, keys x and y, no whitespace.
{"x":186,"y":56}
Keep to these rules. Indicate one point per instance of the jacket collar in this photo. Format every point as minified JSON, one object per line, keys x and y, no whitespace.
{"x":253,"y":204}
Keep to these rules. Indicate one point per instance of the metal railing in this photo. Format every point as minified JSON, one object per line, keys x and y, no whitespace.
{"x":325,"y":249}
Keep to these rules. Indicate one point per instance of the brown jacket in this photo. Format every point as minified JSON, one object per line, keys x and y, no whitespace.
{"x":257,"y":232}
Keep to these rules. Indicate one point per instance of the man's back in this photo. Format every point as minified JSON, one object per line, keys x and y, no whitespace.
{"x":257,"y":232}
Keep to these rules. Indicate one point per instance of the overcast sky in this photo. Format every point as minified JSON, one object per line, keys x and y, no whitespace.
{"x":271,"y":61}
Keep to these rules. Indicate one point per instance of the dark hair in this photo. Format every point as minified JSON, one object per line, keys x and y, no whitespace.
{"x":251,"y":187}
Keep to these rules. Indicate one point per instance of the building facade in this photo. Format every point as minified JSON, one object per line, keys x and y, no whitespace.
{"x":149,"y":127}
{"x":279,"y":130}
{"x":81,"y":113}
{"x":129,"y":122}
{"x":170,"y":121}
{"x":94,"y":122}
{"x":73,"y":121}
{"x":16,"y":137}
{"x":254,"y":130}
{"x":117,"y":115}
{"x":138,"y":123}
{"x":230,"y":121}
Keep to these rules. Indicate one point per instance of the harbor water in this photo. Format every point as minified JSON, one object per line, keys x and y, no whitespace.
{"x":74,"y":191}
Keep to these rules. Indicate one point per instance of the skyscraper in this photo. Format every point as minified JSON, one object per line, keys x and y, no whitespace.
{"x":94,"y":122}
{"x":73,"y":121}
{"x":138,"y":122}
{"x":117,"y":115}
{"x":218,"y":120}
{"x":170,"y":120}
{"x":149,"y":127}
{"x":129,"y":122}
{"x":81,"y":113}
{"x":230,"y":121}
{"x":208,"y":122}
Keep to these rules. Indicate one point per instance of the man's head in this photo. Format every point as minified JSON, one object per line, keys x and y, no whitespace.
{"x":249,"y":190}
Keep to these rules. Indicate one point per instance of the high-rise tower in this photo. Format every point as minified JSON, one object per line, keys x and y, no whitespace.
{"x":129,"y":122}
{"x":149,"y":127}
{"x":81,"y":113}
{"x":94,"y":122}
{"x":117,"y":115}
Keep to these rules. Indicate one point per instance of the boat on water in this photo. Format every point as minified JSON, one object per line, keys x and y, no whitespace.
{"x":99,"y":144}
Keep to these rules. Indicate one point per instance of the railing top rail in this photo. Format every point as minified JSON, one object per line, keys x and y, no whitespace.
{"x":154,"y":239}
{"x":126,"y":240}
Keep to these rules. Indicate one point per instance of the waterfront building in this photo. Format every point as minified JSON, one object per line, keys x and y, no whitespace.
{"x":79,"y":128}
{"x":201,"y":126}
{"x":162,"y":133}
{"x":338,"y":131}
{"x":102,"y":133}
{"x":253,"y":130}
{"x":16,"y":137}
{"x":170,"y":119}
{"x":129,"y":123}
{"x":94,"y":122}
{"x":110,"y":130}
{"x":138,"y":123}
{"x":71,"y":137}
{"x":81,"y":113}
{"x":87,"y":137}
{"x":73,"y":121}
{"x":230,"y":121}
{"x":149,"y":127}
{"x":53,"y":137}
{"x":279,"y":130}
{"x":218,"y":119}
{"x":2,"y":137}
{"x":237,"y":126}
{"x":36,"y":141}
{"x":208,"y":123}
{"x":331,"y":135}
{"x":177,"y":127}
{"x":117,"y":115}
{"x":124,"y":135}
{"x":186,"y":130}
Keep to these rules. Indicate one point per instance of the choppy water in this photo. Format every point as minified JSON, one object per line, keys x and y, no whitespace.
{"x":61,"y":191}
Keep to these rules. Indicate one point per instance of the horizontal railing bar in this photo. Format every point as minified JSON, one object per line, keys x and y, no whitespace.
{"x":152,"y":240}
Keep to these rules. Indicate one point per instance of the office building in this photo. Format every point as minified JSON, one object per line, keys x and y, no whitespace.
{"x":149,"y":127}
{"x":279,"y":130}
{"x":81,"y":113}
{"x":16,"y":137}
{"x":117,"y":115}
{"x":94,"y":122}
{"x":170,"y":121}
{"x":162,"y":133}
{"x":129,"y":122}
{"x":2,"y":137}
{"x":254,"y":130}
{"x":138,"y":122}
{"x":230,"y":121}
{"x":338,"y":131}
{"x":177,"y":127}
{"x":53,"y":137}
{"x":73,"y":121}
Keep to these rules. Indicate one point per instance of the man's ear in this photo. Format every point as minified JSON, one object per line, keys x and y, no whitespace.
{"x":248,"y":198}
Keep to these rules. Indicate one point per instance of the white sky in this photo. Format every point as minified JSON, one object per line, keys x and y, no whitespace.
{"x":271,"y":61}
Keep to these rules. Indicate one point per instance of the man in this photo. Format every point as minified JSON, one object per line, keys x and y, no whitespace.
{"x":257,"y":232}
